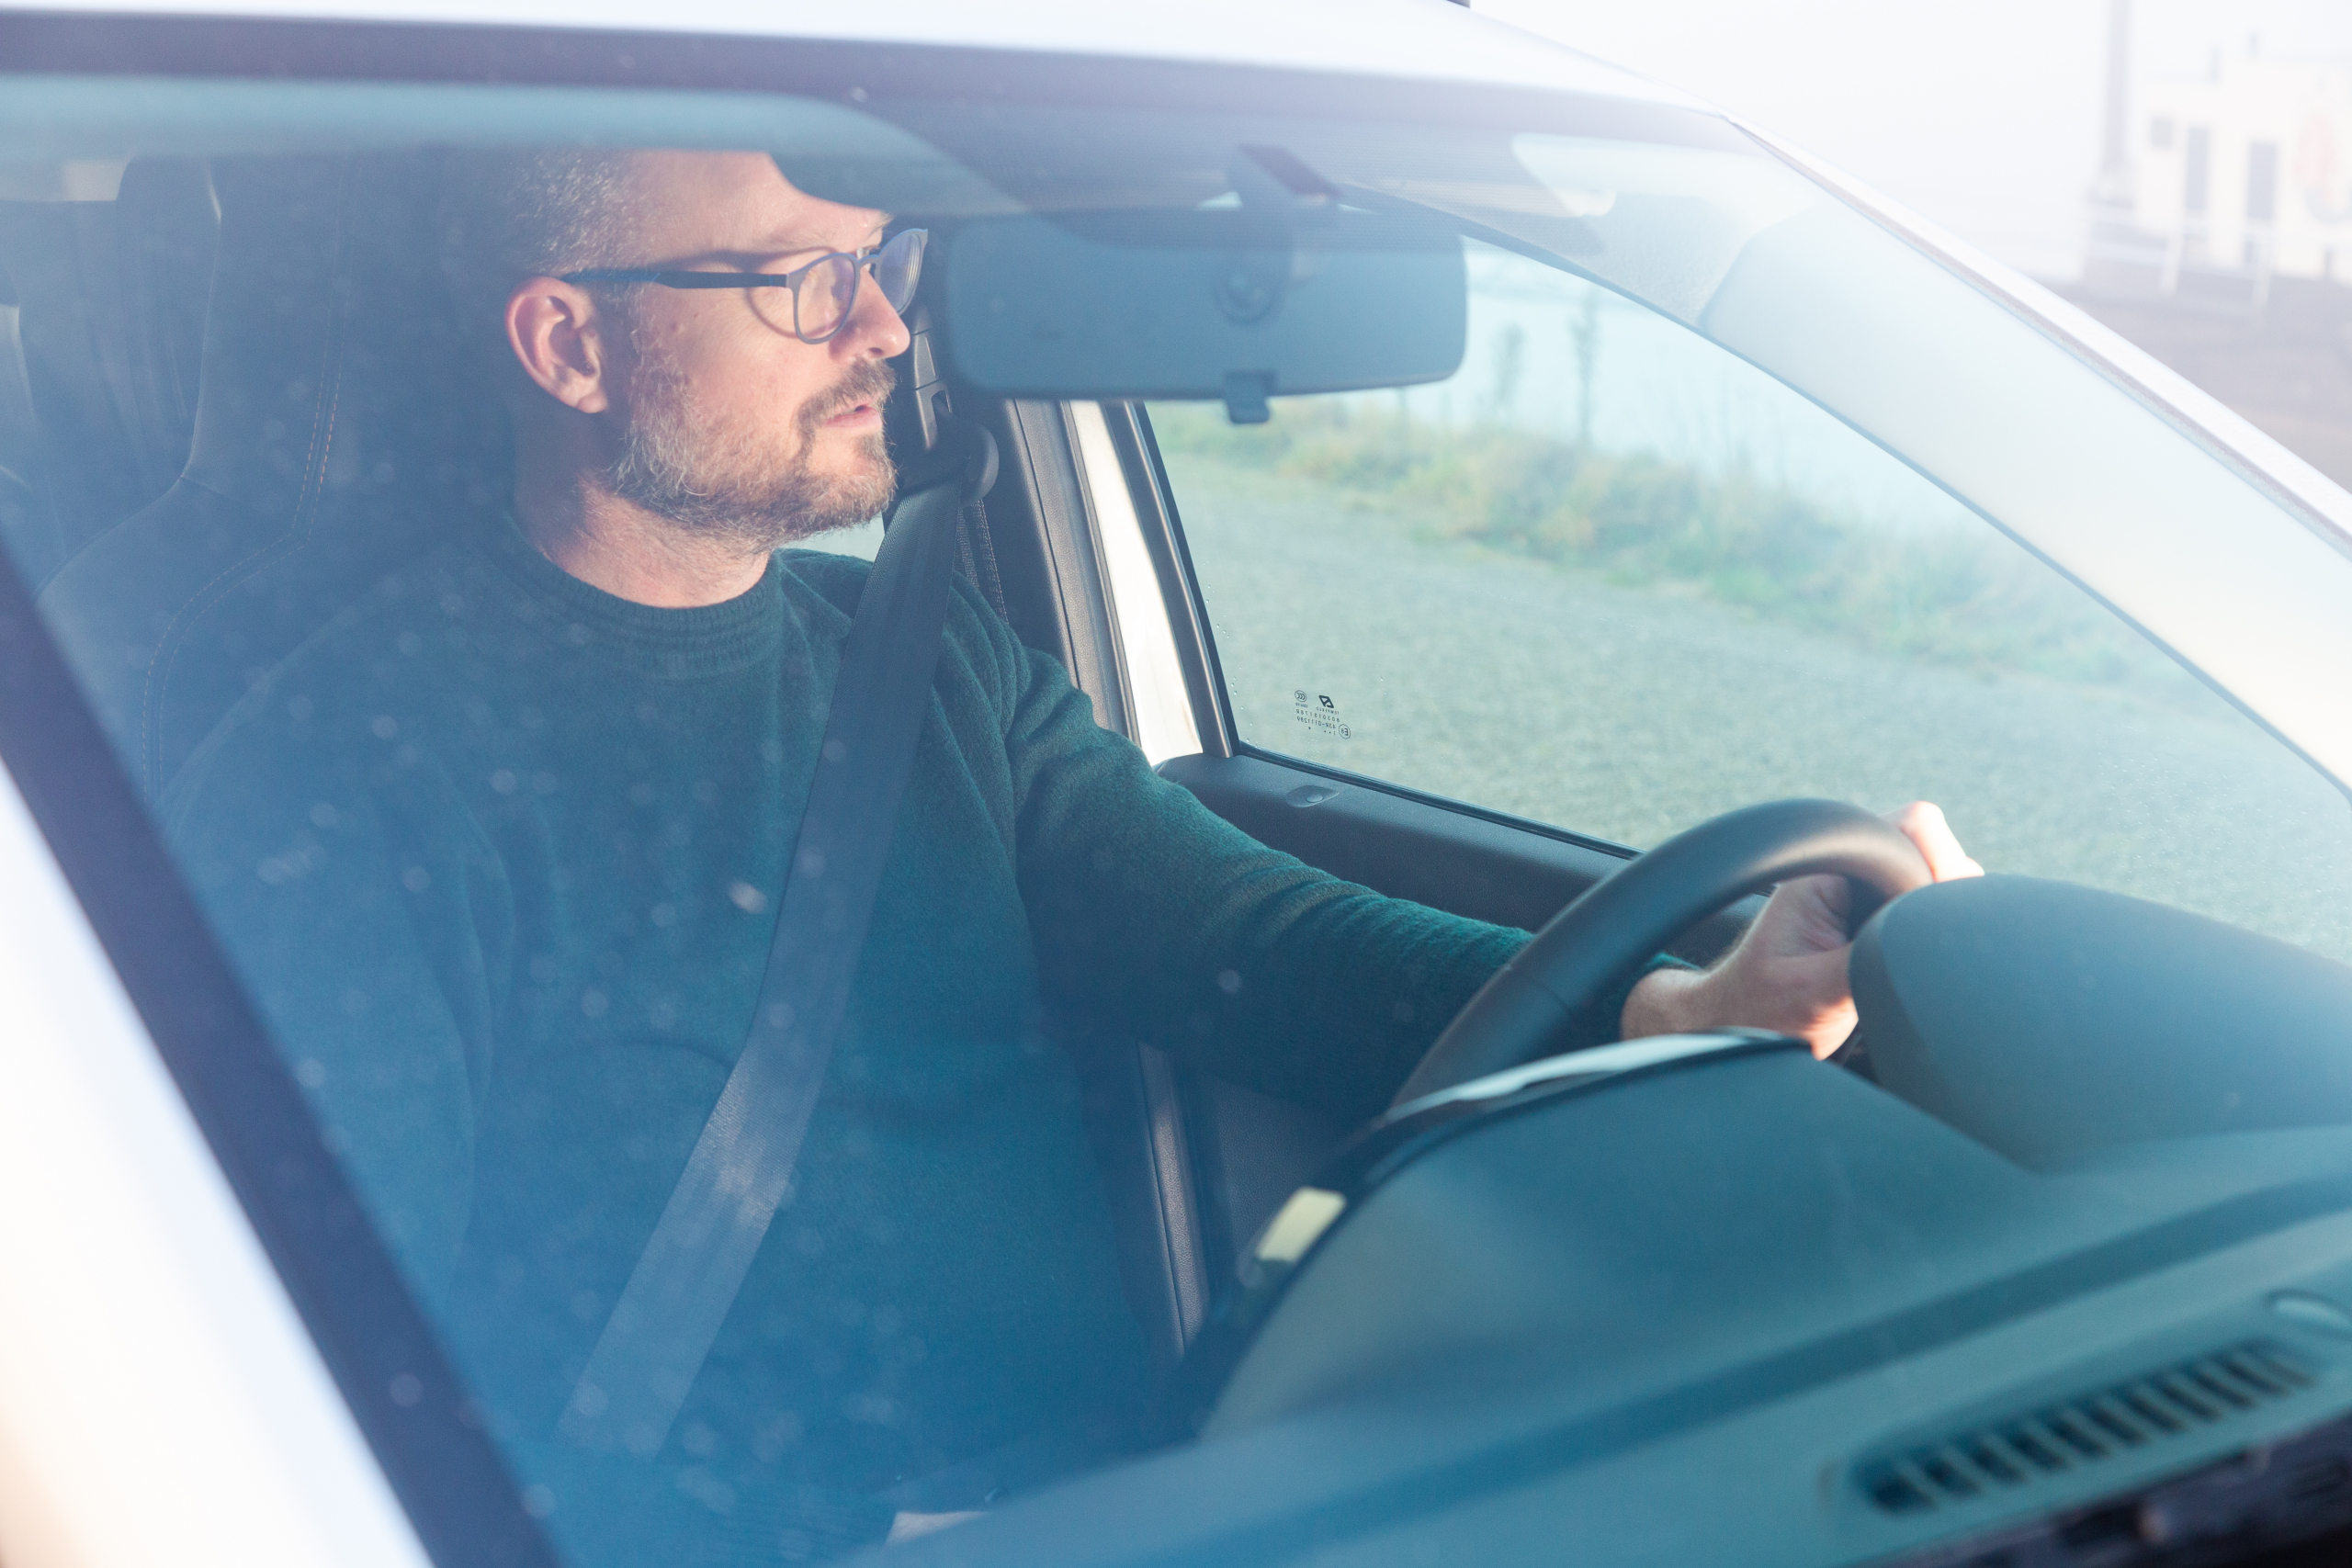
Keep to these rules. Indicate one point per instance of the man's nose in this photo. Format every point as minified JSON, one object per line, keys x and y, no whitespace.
{"x":873,"y":330}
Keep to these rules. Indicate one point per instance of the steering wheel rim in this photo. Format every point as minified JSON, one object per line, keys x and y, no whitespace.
{"x":1614,"y":926}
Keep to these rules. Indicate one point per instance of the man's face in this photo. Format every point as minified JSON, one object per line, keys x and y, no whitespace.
{"x":730,"y":424}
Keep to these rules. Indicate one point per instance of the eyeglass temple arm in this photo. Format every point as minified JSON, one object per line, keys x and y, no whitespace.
{"x":668,"y":279}
{"x":684,"y":279}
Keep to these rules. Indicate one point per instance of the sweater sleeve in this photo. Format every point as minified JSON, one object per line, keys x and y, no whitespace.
{"x":1154,"y":916}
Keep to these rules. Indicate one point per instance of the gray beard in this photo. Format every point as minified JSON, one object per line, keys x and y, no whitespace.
{"x":732,"y":485}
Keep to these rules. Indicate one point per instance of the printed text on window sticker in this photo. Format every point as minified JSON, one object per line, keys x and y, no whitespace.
{"x":1319,"y":713}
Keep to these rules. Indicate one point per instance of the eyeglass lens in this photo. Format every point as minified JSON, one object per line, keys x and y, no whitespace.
{"x":828,"y":289}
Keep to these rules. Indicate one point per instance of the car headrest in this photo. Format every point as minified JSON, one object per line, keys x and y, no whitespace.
{"x":341,"y":430}
{"x":335,"y":373}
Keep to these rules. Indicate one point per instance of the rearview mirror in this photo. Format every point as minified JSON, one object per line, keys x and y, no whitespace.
{"x":1216,"y":302}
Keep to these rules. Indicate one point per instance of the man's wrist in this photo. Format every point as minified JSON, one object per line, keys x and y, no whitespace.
{"x":1666,"y":1001}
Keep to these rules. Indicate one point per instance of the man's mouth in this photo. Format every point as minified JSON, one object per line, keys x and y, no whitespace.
{"x":855,"y":414}
{"x":856,"y":403}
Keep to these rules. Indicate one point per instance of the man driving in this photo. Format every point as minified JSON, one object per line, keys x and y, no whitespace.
{"x":501,"y":850}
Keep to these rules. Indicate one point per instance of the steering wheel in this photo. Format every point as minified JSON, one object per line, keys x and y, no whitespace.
{"x":1526,"y":1010}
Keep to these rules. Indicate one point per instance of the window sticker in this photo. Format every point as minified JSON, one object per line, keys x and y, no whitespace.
{"x":1318,"y":712}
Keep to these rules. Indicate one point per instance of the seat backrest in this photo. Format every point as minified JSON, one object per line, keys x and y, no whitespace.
{"x":100,"y":363}
{"x":29,"y":525}
{"x":339,"y":431}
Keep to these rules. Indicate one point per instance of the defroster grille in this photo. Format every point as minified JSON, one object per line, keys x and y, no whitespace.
{"x":1997,"y":1457}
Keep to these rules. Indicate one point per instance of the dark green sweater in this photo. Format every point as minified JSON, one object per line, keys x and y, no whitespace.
{"x":499,"y":855}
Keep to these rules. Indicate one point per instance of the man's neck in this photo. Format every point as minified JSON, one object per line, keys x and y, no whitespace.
{"x":632,"y":554}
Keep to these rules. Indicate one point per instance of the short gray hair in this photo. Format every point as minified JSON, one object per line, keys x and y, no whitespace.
{"x":531,"y":212}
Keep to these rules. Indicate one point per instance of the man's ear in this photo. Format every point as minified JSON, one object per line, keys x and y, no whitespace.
{"x":563,"y":343}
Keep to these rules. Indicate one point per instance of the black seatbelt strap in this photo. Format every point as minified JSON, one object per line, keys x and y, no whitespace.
{"x":975,"y":556}
{"x":687,"y":1278}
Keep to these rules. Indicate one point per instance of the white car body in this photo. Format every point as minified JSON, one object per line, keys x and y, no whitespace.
{"x":160,"y":1400}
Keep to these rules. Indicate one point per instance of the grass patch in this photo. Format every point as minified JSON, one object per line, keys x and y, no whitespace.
{"x":1958,"y":594}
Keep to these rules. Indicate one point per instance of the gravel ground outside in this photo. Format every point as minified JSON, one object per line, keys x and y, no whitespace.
{"x":1630,"y":714}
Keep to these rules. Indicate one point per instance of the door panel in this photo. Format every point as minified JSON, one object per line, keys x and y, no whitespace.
{"x":1448,"y":857}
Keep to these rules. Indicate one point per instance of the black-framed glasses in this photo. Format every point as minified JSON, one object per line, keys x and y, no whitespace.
{"x":823,"y":293}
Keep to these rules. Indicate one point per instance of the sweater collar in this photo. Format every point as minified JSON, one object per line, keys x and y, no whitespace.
{"x":676,"y":644}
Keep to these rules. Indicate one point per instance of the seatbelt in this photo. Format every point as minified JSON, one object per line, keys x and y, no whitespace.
{"x":692,"y":1265}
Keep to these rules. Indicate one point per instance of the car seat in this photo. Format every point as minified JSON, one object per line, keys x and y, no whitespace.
{"x":28,"y":522}
{"x":340,"y":432}
{"x":99,"y":340}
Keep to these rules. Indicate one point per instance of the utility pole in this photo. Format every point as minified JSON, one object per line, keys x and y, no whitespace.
{"x":1584,"y":332}
{"x":2111,"y":254}
{"x":2113,"y":188}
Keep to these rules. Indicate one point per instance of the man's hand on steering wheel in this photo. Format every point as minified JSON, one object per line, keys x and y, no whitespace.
{"x":1788,"y":973}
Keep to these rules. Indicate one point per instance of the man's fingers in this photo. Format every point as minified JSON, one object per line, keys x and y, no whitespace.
{"x":1803,"y":917}
{"x":1923,"y":823}
{"x":1787,"y":972}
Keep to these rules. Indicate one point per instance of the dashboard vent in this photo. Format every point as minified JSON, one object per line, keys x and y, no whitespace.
{"x":2140,"y":1413}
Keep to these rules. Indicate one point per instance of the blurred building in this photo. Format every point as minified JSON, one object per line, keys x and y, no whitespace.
{"x":2236,"y":180}
{"x":2221,"y":236}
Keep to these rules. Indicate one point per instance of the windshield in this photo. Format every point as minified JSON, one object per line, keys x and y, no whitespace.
{"x":458,"y":507}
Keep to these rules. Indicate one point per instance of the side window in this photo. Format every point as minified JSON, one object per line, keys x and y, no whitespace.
{"x":1613,"y":578}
